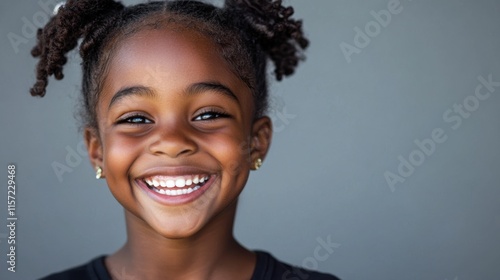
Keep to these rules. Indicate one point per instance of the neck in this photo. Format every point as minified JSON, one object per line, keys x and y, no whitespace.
{"x":211,"y":253}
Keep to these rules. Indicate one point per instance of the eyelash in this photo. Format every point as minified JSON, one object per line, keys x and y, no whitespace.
{"x":130,"y":120}
{"x":214,"y":114}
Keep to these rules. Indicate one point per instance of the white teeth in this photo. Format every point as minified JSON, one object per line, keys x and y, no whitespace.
{"x":180,"y":183}
{"x":176,"y":192}
{"x":170,"y":183}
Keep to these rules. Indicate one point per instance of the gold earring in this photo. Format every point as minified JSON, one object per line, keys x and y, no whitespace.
{"x":98,"y":172}
{"x":258,"y":164}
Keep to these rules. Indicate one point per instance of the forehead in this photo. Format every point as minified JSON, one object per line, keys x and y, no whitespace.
{"x":178,"y":55}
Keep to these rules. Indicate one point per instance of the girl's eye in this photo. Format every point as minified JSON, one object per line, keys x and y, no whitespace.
{"x":210,"y":115}
{"x":135,"y":120}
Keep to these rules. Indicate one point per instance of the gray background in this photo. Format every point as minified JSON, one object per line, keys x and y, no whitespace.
{"x":340,"y":126}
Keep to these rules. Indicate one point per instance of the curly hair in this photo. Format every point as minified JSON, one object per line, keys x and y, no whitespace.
{"x":247,"y":33}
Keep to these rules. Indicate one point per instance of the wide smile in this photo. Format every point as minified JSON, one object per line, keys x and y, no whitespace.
{"x":178,"y":185}
{"x":174,"y":190}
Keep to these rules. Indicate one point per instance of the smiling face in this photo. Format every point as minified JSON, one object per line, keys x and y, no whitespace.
{"x":177,"y":135}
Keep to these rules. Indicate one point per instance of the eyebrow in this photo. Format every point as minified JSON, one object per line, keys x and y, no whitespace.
{"x":191,"y":90}
{"x":129,"y":91}
{"x":211,"y":86}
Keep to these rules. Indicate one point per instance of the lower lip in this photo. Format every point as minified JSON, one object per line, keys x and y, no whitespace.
{"x":177,"y":199}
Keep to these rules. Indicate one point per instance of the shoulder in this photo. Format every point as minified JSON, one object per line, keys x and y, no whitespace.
{"x":93,"y":270}
{"x":269,"y":268}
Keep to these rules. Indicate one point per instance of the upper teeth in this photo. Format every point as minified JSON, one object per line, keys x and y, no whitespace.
{"x":170,"y":182}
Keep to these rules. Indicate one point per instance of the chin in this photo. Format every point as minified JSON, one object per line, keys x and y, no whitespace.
{"x":180,"y":227}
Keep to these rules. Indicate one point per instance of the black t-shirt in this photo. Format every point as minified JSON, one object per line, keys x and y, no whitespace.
{"x":267,"y":268}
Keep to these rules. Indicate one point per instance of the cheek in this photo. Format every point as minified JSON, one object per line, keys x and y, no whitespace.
{"x":118,"y":155}
{"x":233,"y":154}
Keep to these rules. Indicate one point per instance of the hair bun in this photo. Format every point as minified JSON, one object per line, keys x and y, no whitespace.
{"x":60,"y":35}
{"x":280,"y":36}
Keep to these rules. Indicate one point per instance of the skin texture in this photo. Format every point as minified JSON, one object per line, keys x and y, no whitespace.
{"x":165,"y":127}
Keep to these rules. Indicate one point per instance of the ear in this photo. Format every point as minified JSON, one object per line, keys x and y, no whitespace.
{"x":262,"y":131}
{"x":94,"y":148}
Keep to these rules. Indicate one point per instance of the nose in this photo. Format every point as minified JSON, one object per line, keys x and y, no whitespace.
{"x":173,"y":141}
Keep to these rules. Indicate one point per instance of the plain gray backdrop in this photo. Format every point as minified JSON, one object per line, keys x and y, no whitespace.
{"x":357,"y":110}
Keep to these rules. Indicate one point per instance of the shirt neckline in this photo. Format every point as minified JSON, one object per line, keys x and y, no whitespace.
{"x":98,"y":271}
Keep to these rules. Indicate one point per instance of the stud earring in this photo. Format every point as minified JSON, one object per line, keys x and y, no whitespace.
{"x":258,"y":164}
{"x":98,"y":172}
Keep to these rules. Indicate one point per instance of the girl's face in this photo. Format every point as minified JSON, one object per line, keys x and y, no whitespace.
{"x":176,"y":135}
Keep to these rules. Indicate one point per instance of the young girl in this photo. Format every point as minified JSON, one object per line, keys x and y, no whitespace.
{"x":175,"y":96}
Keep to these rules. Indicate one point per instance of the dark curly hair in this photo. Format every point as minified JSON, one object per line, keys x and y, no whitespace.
{"x":247,"y":33}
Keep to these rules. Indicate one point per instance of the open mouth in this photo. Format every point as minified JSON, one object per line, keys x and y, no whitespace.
{"x":178,"y":185}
